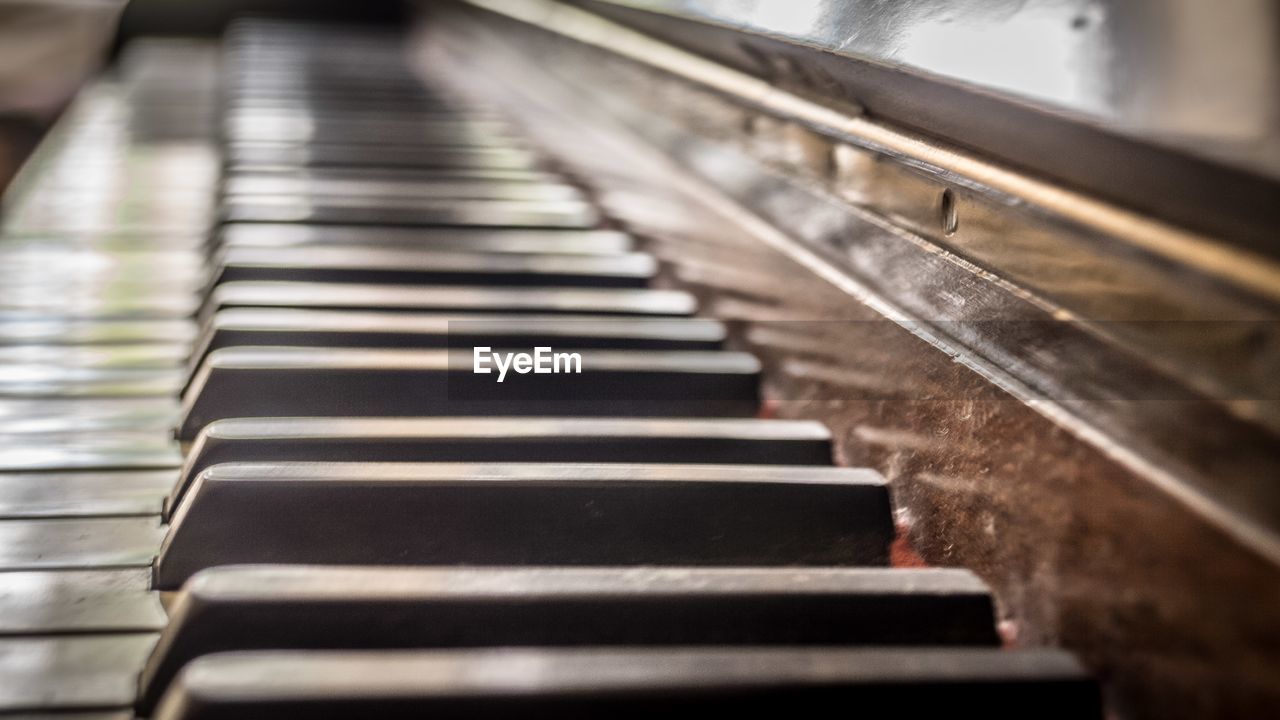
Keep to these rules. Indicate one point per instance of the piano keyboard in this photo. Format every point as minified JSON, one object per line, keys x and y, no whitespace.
{"x":351,"y":523}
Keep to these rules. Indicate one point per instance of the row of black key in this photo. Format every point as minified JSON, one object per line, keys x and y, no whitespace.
{"x":363,"y":526}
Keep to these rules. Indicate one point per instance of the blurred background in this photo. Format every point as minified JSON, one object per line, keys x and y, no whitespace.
{"x":49,"y":48}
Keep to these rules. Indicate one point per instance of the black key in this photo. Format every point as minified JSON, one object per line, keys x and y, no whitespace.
{"x":434,"y":267}
{"x":410,"y":212}
{"x":401,"y":174}
{"x":575,"y":242}
{"x":313,"y":188}
{"x":300,"y":382}
{"x":274,"y":607}
{"x":649,"y":440}
{"x":272,"y":76}
{"x":526,"y":514}
{"x":277,"y":120}
{"x":413,"y":298}
{"x":631,"y":683}
{"x":338,"y":328}
{"x":438,"y":131}
{"x":329,"y":105}
{"x":281,"y":79}
{"x":246,"y":155}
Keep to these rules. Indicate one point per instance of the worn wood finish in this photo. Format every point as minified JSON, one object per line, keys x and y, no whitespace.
{"x":1074,"y":524}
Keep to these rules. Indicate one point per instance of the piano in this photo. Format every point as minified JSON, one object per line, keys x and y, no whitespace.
{"x":591,"y":359}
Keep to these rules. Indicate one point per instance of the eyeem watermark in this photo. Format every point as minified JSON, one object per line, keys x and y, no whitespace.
{"x":542,"y":361}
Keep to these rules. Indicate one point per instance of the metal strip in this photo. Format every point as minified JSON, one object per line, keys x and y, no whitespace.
{"x":1250,"y":270}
